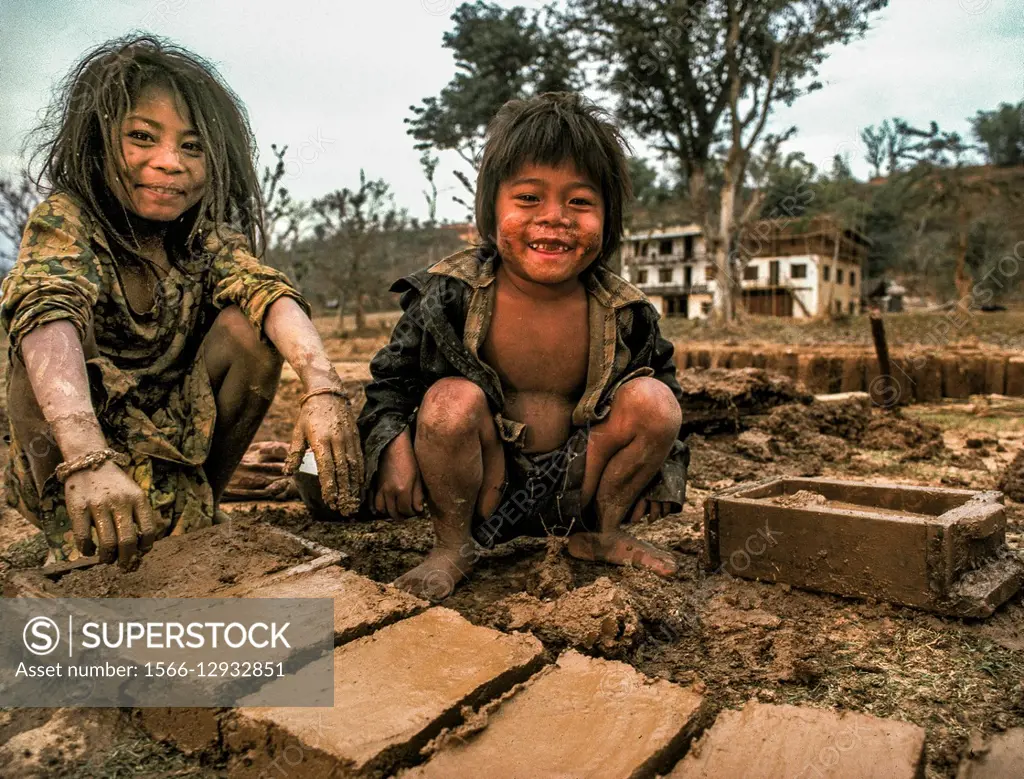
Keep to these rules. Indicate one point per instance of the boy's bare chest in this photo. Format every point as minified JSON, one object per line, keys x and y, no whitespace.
{"x":539,"y":347}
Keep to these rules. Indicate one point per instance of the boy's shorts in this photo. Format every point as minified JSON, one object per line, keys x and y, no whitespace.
{"x":541,"y":496}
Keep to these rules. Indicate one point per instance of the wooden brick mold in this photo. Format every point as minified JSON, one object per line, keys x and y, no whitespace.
{"x":937,"y":549}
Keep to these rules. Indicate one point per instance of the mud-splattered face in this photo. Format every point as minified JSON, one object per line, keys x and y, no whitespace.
{"x":550,"y":223}
{"x":163,"y":170}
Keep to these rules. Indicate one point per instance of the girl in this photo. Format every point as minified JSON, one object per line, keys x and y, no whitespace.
{"x":146,"y":340}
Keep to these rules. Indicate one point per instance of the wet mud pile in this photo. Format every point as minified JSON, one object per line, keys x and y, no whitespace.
{"x":181,"y":566}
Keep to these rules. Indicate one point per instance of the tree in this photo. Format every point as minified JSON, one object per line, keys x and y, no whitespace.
{"x":18,"y":196}
{"x":283,"y":217}
{"x":500,"y":55}
{"x":1001,"y":134}
{"x":353,"y":225}
{"x":946,"y":189}
{"x":691,"y":74}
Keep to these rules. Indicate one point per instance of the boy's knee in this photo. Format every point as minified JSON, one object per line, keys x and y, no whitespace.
{"x":452,"y":407}
{"x":649,"y":405}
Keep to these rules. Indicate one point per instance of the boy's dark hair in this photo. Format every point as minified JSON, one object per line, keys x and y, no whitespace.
{"x":82,"y":130}
{"x":550,"y":129}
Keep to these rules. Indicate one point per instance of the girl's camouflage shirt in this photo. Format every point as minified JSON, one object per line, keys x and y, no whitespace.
{"x":447,"y":309}
{"x":149,"y":383}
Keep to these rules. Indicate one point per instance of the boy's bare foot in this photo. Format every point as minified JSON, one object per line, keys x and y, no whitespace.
{"x":435,"y":578}
{"x":620,"y":548}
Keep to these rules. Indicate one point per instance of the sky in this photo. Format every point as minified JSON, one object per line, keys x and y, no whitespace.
{"x":334,"y":79}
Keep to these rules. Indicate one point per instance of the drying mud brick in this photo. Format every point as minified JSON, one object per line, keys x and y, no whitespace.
{"x":766,"y":742}
{"x":393,"y":691}
{"x":813,"y":372}
{"x":934,"y":548}
{"x":955,"y":381}
{"x":190,"y":730}
{"x":360,"y":604}
{"x":852,"y":378}
{"x":995,"y":374}
{"x":926,"y":373}
{"x":741,"y":359}
{"x":1001,"y":757}
{"x":585,"y":717}
{"x":1015,"y":377}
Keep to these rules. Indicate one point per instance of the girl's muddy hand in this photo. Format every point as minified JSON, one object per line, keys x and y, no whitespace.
{"x":109,"y":501}
{"x":327,"y":426}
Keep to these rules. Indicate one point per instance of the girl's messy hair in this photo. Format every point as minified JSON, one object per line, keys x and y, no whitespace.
{"x":82,"y":130}
{"x":550,"y":129}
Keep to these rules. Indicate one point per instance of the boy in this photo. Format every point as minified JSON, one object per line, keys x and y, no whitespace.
{"x":526,"y":389}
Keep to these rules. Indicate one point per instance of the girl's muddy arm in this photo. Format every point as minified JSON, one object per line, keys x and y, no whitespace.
{"x":325,"y":420}
{"x":104,"y":497}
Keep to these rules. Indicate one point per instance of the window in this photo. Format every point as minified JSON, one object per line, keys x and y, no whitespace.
{"x":711,"y":272}
{"x":826,"y":273}
{"x":839,"y":306}
{"x":853,"y":279}
{"x":853,"y":307}
{"x":839,"y":275}
{"x":798,"y":270}
{"x":688,"y":247}
{"x":641,"y":276}
{"x":665,"y":275}
{"x":705,"y":309}
{"x":750,"y":273}
{"x":665,"y":247}
{"x":643,"y":249}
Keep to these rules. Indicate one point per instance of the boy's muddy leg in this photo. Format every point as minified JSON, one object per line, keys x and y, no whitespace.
{"x":462,"y":466}
{"x":624,"y":453}
{"x":244,"y":373}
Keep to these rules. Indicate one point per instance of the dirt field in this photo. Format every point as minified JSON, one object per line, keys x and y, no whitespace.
{"x":742,"y":640}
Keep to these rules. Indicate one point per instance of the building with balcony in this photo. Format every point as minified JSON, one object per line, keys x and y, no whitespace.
{"x":788,"y":270}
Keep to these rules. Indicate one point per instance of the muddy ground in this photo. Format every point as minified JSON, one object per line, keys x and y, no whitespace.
{"x":742,"y":640}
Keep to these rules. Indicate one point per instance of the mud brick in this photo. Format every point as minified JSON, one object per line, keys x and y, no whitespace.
{"x":786,"y":363}
{"x":584,"y":717}
{"x":995,"y":374}
{"x":955,"y":381}
{"x":926,"y":372}
{"x":765,"y":742}
{"x":851,"y":377}
{"x":393,"y":691}
{"x":360,"y":604}
{"x":741,"y":359}
{"x":1002,"y":757}
{"x":935,"y":548}
{"x":975,"y":369}
{"x":1015,"y":377}
{"x":813,"y":372}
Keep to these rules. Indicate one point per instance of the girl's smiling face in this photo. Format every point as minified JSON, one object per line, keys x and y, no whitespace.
{"x":163,"y":167}
{"x":550,"y":222}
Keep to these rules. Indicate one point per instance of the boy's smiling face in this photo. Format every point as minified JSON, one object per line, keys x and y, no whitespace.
{"x":550,"y":223}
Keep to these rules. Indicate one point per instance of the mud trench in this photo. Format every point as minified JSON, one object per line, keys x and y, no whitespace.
{"x":739,"y":640}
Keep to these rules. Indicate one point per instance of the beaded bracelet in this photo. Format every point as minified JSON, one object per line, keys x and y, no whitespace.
{"x":341,"y":393}
{"x":90,"y":461}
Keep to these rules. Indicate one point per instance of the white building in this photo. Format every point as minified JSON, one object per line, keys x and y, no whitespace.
{"x":789,"y":271}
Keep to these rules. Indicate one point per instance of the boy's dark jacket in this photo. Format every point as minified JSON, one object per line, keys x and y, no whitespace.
{"x":447,"y":309}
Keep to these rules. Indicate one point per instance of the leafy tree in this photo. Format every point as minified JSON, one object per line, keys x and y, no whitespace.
{"x":18,"y":196}
{"x":1001,"y":134}
{"x":690,"y":74}
{"x":500,"y":55}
